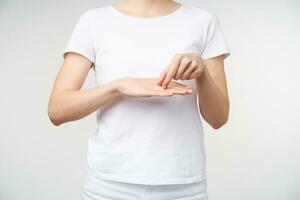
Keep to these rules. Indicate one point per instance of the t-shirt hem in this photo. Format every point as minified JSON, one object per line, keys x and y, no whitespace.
{"x":226,"y":53}
{"x":89,"y":57}
{"x":152,"y":181}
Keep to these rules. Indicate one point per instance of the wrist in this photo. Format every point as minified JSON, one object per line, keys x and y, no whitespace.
{"x":116,"y":88}
{"x":203,"y":75}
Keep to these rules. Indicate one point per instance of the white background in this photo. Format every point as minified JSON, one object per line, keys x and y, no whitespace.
{"x":255,"y":156}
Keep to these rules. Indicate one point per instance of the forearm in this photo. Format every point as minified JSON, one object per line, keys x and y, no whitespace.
{"x":213,"y":103}
{"x":73,"y":105}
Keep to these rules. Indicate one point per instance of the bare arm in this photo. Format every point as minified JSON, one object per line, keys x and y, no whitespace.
{"x":210,"y":80}
{"x":212,"y":92}
{"x":68,"y":102}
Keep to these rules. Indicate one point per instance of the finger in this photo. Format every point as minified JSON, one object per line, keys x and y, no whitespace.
{"x":170,"y":91}
{"x":180,"y":87}
{"x":172,"y":70}
{"x":192,"y":67}
{"x":175,"y":89}
{"x":162,"y":92}
{"x":186,"y":87}
{"x":162,"y":76}
{"x":174,"y":83}
{"x":181,"y":91}
{"x":195,"y":74}
{"x":184,"y":65}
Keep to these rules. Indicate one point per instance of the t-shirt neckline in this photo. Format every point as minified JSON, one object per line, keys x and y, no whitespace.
{"x":130,"y":17}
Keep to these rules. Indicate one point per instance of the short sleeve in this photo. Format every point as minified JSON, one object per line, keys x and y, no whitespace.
{"x":215,"y":43}
{"x":81,"y":40}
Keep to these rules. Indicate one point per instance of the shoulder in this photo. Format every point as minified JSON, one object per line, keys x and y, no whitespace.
{"x":92,"y":13}
{"x":204,"y":15}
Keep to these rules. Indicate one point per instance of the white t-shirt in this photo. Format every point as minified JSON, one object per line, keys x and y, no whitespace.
{"x":146,"y":140}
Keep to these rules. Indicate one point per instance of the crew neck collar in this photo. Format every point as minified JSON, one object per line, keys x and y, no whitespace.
{"x":130,"y":17}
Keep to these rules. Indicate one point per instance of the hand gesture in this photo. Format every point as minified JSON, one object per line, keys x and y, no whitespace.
{"x":146,"y":87}
{"x":184,"y":67}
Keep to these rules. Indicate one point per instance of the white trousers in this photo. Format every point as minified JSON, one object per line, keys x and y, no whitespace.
{"x":100,"y":189}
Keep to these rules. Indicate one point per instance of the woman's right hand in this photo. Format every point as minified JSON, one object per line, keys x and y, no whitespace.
{"x":147,"y":87}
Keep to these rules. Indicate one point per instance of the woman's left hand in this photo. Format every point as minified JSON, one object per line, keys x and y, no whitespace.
{"x":184,"y":67}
